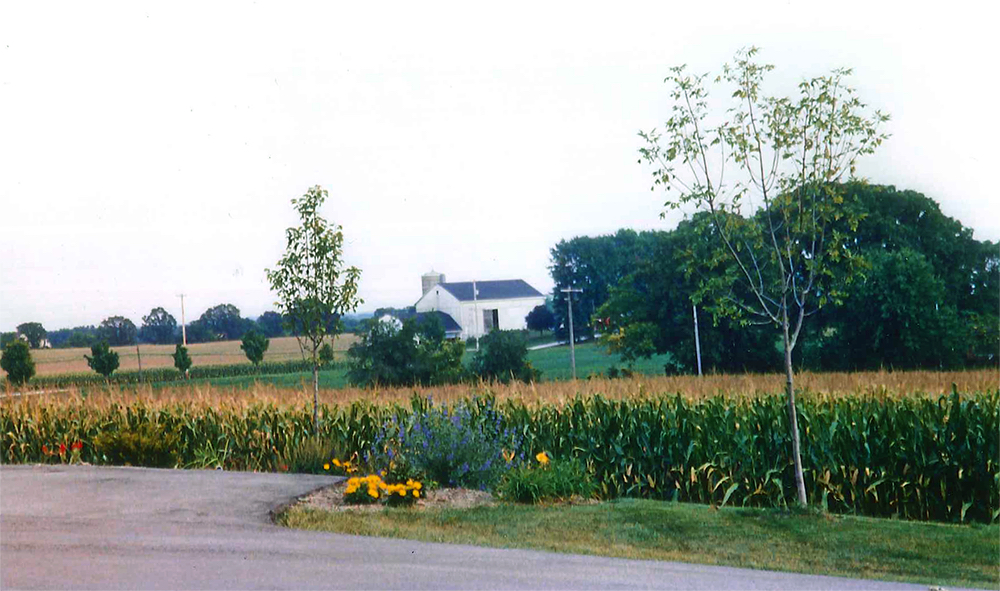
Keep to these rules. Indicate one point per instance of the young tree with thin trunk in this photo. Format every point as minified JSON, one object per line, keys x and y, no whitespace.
{"x":313,"y":286}
{"x":783,"y":226}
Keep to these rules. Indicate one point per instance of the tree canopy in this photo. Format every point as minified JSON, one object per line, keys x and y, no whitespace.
{"x":158,"y":327}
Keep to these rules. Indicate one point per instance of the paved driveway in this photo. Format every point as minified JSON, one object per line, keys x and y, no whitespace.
{"x":87,"y":527}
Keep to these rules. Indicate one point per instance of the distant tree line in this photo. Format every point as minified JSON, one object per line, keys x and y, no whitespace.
{"x":928,"y":296}
{"x":218,"y":323}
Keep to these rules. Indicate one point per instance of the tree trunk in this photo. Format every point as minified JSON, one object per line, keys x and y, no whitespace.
{"x":793,"y":421}
{"x":315,"y":394}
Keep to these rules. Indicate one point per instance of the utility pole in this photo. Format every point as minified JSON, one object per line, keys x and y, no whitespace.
{"x":697,"y":339}
{"x":569,"y":291}
{"x":184,"y":334}
{"x":475,"y":307}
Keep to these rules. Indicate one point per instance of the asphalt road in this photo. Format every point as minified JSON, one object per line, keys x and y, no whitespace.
{"x":83,"y":527}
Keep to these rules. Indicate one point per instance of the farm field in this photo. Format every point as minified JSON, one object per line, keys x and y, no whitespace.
{"x":63,"y":361}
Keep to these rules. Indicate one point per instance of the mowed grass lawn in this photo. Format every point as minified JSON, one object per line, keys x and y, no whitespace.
{"x":797,"y":541}
{"x":591,"y":359}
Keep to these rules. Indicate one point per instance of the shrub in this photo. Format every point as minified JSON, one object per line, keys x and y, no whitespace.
{"x":548,"y":480}
{"x":17,"y":362}
{"x":466,"y":445}
{"x":326,"y":355}
{"x":415,"y":354}
{"x":149,"y":444}
{"x":503,"y":355}
{"x":182,"y":361}
{"x":104,"y":360}
{"x":254,"y":345}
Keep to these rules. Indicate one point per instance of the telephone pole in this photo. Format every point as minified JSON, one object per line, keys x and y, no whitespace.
{"x":569,"y":291}
{"x":184,"y":335}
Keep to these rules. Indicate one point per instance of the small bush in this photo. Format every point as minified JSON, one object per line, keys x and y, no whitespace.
{"x":16,"y":361}
{"x":182,"y":360}
{"x":150,"y":445}
{"x":547,"y":481}
{"x":326,"y":355}
{"x":502,"y":356}
{"x":104,"y":360}
{"x":467,"y":445}
{"x":254,"y":345}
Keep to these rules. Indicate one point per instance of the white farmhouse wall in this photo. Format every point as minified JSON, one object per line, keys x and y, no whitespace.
{"x":469,"y":314}
{"x":511,"y":314}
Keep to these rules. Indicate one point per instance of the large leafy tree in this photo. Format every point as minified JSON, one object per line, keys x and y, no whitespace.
{"x":158,"y":327}
{"x":271,"y":324}
{"x":779,"y":255}
{"x":222,"y":322}
{"x":313,"y":286}
{"x":34,"y":332}
{"x":17,"y":362}
{"x":593,"y":264}
{"x":117,"y":331}
{"x":415,"y":353}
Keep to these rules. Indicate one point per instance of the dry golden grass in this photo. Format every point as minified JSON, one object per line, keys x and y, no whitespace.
{"x":910,"y":383}
{"x":60,"y":361}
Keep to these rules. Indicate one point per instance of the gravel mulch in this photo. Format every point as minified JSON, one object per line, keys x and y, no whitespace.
{"x":331,"y":498}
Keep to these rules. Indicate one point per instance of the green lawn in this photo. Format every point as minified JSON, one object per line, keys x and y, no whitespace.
{"x":591,"y":358}
{"x":808,"y":542}
{"x":332,"y":378}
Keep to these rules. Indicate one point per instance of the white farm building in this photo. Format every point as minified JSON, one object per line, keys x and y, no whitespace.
{"x":475,"y":308}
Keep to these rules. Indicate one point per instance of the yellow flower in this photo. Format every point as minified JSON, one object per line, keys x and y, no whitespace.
{"x":326,"y":466}
{"x":542,"y":458}
{"x":336,"y":462}
{"x":416,"y":494}
{"x":373,"y":493}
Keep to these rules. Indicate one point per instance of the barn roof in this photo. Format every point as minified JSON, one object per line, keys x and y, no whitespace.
{"x":447,"y":321}
{"x":492,"y":290}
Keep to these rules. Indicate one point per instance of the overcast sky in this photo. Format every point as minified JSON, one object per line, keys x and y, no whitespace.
{"x":148,"y":150}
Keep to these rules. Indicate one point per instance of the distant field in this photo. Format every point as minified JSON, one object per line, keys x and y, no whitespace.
{"x":60,"y":361}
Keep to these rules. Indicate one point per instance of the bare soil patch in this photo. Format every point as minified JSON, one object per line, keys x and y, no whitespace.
{"x":331,"y":498}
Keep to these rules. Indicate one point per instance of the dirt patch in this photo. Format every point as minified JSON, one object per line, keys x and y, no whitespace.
{"x":331,"y":498}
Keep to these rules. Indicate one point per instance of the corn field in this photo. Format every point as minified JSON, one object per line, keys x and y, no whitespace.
{"x":929,"y":457}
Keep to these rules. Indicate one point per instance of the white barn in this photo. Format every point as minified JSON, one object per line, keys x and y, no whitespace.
{"x":478,"y":307}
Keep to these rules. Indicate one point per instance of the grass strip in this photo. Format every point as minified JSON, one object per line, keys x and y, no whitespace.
{"x":783,"y":540}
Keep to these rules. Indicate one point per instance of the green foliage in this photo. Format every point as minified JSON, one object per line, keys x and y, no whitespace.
{"x":502,"y":356}
{"x":314,"y":288}
{"x":558,"y":480}
{"x":912,"y":457}
{"x":219,"y":323}
{"x":464,"y":445}
{"x":182,"y":361}
{"x":104,"y":360}
{"x":271,"y":324}
{"x":326,"y":355}
{"x":594,"y":264}
{"x":117,"y":331}
{"x":147,"y":444}
{"x":158,"y":327}
{"x":254,"y":345}
{"x":540,"y":318}
{"x":307,"y":456}
{"x":415,"y":354}
{"x":17,"y":362}
{"x":34,"y":332}
{"x":166,"y":374}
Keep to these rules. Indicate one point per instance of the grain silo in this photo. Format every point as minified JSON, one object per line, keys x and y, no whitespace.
{"x":429,"y":280}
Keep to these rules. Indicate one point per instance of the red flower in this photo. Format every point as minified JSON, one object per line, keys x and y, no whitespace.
{"x":77,"y":446}
{"x":62,"y":448}
{"x":45,"y":449}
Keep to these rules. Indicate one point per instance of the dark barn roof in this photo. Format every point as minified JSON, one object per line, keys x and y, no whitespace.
{"x":446,"y":320}
{"x":492,"y":290}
